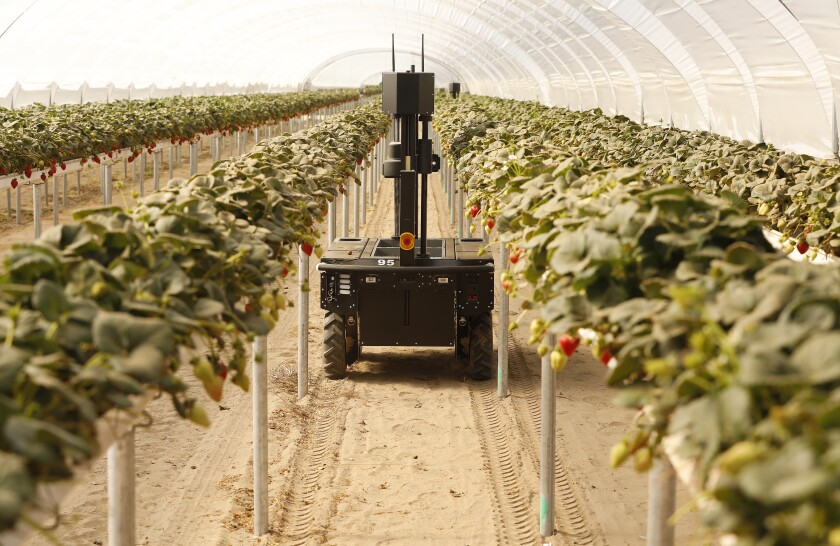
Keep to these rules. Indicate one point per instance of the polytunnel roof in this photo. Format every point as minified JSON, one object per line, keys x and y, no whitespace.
{"x":755,"y":69}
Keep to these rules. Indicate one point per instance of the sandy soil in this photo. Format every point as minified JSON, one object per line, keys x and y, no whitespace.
{"x":406,"y":450}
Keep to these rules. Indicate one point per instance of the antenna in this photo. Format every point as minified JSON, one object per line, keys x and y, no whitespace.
{"x":393,"y":55}
{"x":422,"y":53}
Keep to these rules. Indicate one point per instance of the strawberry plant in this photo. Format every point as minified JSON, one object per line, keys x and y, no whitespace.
{"x":95,"y":312}
{"x":37,"y":136}
{"x":727,"y":346}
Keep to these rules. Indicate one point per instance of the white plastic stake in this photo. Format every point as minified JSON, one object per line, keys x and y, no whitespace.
{"x":548,"y":433}
{"x":121,"y":471}
{"x":303,"y":323}
{"x":260,"y":431}
{"x":357,"y":189}
{"x":108,"y":180}
{"x":178,"y":154}
{"x":171,"y":162}
{"x":17,"y":205}
{"x":142,"y":172}
{"x":193,"y":159}
{"x":661,"y":503}
{"x":9,"y":201}
{"x":331,"y":221}
{"x":345,"y":211}
{"x":365,"y":195}
{"x":55,"y":200}
{"x":504,"y":321}
{"x":64,"y":195}
{"x":36,"y":208}
{"x":459,"y":210}
{"x":156,"y":158}
{"x":79,"y":182}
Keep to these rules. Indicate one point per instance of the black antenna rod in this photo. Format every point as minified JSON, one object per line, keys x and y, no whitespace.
{"x":393,"y":55}
{"x":422,"y":53}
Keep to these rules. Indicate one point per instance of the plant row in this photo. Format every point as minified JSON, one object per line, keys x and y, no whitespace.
{"x":95,"y":312}
{"x":796,"y":194}
{"x":39,"y":137}
{"x":732,"y":350}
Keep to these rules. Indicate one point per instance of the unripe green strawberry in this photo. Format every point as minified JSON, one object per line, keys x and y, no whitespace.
{"x":643,"y":460}
{"x":280,"y":301}
{"x":203,"y":371}
{"x":618,"y":454}
{"x":763,"y":209}
{"x":738,"y":456}
{"x":267,"y":301}
{"x":319,"y":251}
{"x":558,"y":360}
{"x":199,"y":416}
{"x":543,"y":349}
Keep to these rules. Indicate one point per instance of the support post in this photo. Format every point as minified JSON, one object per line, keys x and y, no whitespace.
{"x":36,"y":208}
{"x":548,"y":432}
{"x":357,"y":189}
{"x":142,"y":172}
{"x":193,"y":159}
{"x":156,"y":158}
{"x":9,"y":201}
{"x":345,"y":212}
{"x":331,"y":221}
{"x":17,"y":205}
{"x":459,"y":210}
{"x":171,"y":162}
{"x":55,"y":200}
{"x":121,"y":471}
{"x":260,"y":432}
{"x":661,"y":503}
{"x":79,"y":182}
{"x":108,"y":181}
{"x":303,"y":323}
{"x":64,"y":195}
{"x":365,"y":194}
{"x":503,"y":336}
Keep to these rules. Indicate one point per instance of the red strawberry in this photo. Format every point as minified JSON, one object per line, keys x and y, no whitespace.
{"x":568,"y":344}
{"x":53,"y":161}
{"x":2,"y":170}
{"x":14,"y":183}
{"x":341,"y":190}
{"x":606,"y":356}
{"x":359,"y":161}
{"x":131,"y":159}
{"x":514,"y":257}
{"x":63,"y":167}
{"x":802,"y":247}
{"x":506,"y":286}
{"x":97,"y":160}
{"x":44,"y":177}
{"x":306,"y":248}
{"x":28,"y":171}
{"x":285,"y":271}
{"x":223,"y":371}
{"x":83,"y":161}
{"x":491,"y":223}
{"x":110,"y":155}
{"x":248,"y":308}
{"x":474,"y":210}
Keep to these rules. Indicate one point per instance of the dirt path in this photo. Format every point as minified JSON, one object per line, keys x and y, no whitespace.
{"x":406,"y":450}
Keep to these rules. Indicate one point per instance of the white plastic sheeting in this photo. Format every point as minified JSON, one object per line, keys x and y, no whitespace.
{"x":754,"y":69}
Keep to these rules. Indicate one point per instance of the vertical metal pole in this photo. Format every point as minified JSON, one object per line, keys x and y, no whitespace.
{"x":64,"y":195}
{"x":9,"y":201}
{"x":548,"y":432}
{"x":459,"y":210}
{"x":178,"y":155}
{"x":109,"y":183}
{"x":17,"y":205}
{"x":125,"y":170}
{"x":46,"y":192}
{"x":503,"y":337}
{"x":55,"y":200}
{"x":259,"y":407}
{"x":303,"y":323}
{"x":36,"y":208}
{"x":121,"y":471}
{"x":156,"y":157}
{"x":193,"y":159}
{"x":365,"y":194}
{"x":661,"y":503}
{"x":357,"y":189}
{"x":79,"y":182}
{"x":453,"y":195}
{"x":331,"y":221}
{"x":142,"y":160}
{"x":345,"y":211}
{"x":230,"y":136}
{"x":171,"y":162}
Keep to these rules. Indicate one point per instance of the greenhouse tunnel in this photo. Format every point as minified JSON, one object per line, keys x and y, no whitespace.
{"x":762,"y":70}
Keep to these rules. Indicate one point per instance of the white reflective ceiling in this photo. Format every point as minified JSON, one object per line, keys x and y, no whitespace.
{"x":746,"y":68}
